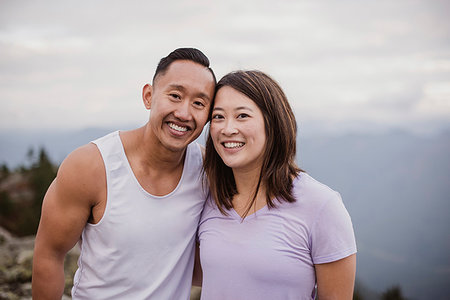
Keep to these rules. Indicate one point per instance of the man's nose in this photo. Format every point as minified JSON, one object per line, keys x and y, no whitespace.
{"x":183,"y":111}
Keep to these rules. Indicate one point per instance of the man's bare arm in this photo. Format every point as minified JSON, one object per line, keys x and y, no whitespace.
{"x":66,"y":209}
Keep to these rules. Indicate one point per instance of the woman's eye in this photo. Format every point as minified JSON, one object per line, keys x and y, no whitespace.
{"x":242,"y":116}
{"x":217,"y":117}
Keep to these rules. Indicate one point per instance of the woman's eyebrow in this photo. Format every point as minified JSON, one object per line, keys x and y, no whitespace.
{"x":237,"y":108}
{"x":243,"y":107}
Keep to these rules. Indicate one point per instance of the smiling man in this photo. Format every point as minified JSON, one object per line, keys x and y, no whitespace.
{"x":132,"y":198}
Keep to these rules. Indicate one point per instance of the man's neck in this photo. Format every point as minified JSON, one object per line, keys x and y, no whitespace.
{"x":157,"y":169}
{"x":145,"y":147}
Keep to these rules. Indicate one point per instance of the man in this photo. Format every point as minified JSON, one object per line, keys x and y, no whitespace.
{"x":132,"y":199}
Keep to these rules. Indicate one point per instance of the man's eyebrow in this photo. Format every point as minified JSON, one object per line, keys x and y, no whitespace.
{"x":204,"y":96}
{"x":177,"y":87}
{"x":183,"y":89}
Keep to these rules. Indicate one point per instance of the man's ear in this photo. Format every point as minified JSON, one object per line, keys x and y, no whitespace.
{"x":147,"y":93}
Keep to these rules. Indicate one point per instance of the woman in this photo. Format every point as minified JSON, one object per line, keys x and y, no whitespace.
{"x":269,"y":230}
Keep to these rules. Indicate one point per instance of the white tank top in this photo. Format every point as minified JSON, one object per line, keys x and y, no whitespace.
{"x":143,"y":247}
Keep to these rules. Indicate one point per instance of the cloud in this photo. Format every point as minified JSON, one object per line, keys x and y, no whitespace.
{"x":78,"y":64}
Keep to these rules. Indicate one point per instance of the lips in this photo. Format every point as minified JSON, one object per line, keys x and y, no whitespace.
{"x":233,"y":145}
{"x":178,"y":127}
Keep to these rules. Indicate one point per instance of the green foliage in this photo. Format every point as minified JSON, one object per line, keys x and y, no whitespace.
{"x":6,"y":205}
{"x":4,"y":171}
{"x":393,"y":293}
{"x":22,"y":215}
{"x":42,"y":174}
{"x":357,"y":295}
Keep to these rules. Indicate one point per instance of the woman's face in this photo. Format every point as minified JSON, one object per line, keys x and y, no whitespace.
{"x":237,"y":130}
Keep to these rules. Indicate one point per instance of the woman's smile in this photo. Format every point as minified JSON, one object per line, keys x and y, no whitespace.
{"x":237,"y":130}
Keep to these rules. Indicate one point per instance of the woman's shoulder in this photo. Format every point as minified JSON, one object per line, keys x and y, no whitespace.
{"x":317,"y":204}
{"x":307,"y":186}
{"x":311,"y":195}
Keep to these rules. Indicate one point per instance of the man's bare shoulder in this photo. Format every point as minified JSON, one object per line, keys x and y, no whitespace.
{"x":82,"y":172}
{"x":87,"y":156}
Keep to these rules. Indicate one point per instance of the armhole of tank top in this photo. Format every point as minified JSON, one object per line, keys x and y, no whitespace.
{"x":107,"y":189}
{"x":192,"y":157}
{"x":201,"y":178}
{"x":200,"y":150}
{"x":187,"y":167}
{"x":186,"y":175}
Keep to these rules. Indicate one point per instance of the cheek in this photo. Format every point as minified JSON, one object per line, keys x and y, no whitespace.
{"x":262,"y":133}
{"x":201,"y":118}
{"x":159,"y":111}
{"x":213,"y":131}
{"x":259,"y":137}
{"x":264,"y":139}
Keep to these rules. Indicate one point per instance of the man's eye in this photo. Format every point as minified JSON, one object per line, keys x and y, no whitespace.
{"x":199,"y":103}
{"x":175,"y":96}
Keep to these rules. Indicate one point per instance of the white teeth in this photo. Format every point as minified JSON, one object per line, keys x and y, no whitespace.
{"x":233,"y":145}
{"x":177,"y":128}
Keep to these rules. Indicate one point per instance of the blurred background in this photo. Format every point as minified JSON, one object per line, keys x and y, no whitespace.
{"x":369,"y":82}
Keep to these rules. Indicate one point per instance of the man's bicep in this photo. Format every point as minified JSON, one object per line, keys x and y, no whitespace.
{"x":66,"y":207}
{"x":62,"y":222}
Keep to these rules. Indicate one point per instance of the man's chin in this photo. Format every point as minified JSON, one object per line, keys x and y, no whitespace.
{"x":178,"y":143}
{"x":177,"y":146}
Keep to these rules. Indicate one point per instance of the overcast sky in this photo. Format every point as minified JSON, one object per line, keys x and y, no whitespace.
{"x":345,"y":64}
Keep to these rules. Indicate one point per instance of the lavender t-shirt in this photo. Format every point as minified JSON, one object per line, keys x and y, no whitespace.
{"x":271,"y":253}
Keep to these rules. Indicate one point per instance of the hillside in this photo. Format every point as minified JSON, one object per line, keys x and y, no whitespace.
{"x":395,"y":186}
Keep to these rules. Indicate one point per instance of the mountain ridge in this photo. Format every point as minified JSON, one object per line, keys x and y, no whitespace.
{"x":394,"y":185}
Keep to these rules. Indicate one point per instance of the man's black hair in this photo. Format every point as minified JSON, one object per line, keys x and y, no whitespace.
{"x":191,"y":54}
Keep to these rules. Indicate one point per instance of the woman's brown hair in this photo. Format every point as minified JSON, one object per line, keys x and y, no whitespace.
{"x":279,"y":168}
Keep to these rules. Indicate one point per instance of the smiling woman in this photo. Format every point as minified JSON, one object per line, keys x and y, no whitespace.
{"x":269,"y":230}
{"x":237,"y":131}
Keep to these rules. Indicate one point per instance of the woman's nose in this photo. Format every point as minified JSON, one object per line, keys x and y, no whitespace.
{"x":229,"y":128}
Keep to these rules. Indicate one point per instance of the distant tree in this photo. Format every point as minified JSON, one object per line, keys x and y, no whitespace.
{"x":21,"y":214}
{"x":42,"y":173}
{"x":30,"y":155}
{"x":357,"y":295}
{"x":21,"y":169}
{"x":6,"y":205}
{"x":393,"y":293}
{"x":4,"y":171}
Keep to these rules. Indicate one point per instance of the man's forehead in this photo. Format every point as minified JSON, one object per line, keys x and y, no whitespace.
{"x":180,"y":75}
{"x":181,"y":68}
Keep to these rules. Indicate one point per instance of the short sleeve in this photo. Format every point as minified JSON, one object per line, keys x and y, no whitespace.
{"x":332,"y":237}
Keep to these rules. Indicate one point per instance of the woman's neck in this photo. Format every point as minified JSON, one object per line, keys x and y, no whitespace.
{"x":246,"y":184}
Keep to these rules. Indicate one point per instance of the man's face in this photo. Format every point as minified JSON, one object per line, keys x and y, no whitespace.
{"x":179,"y":102}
